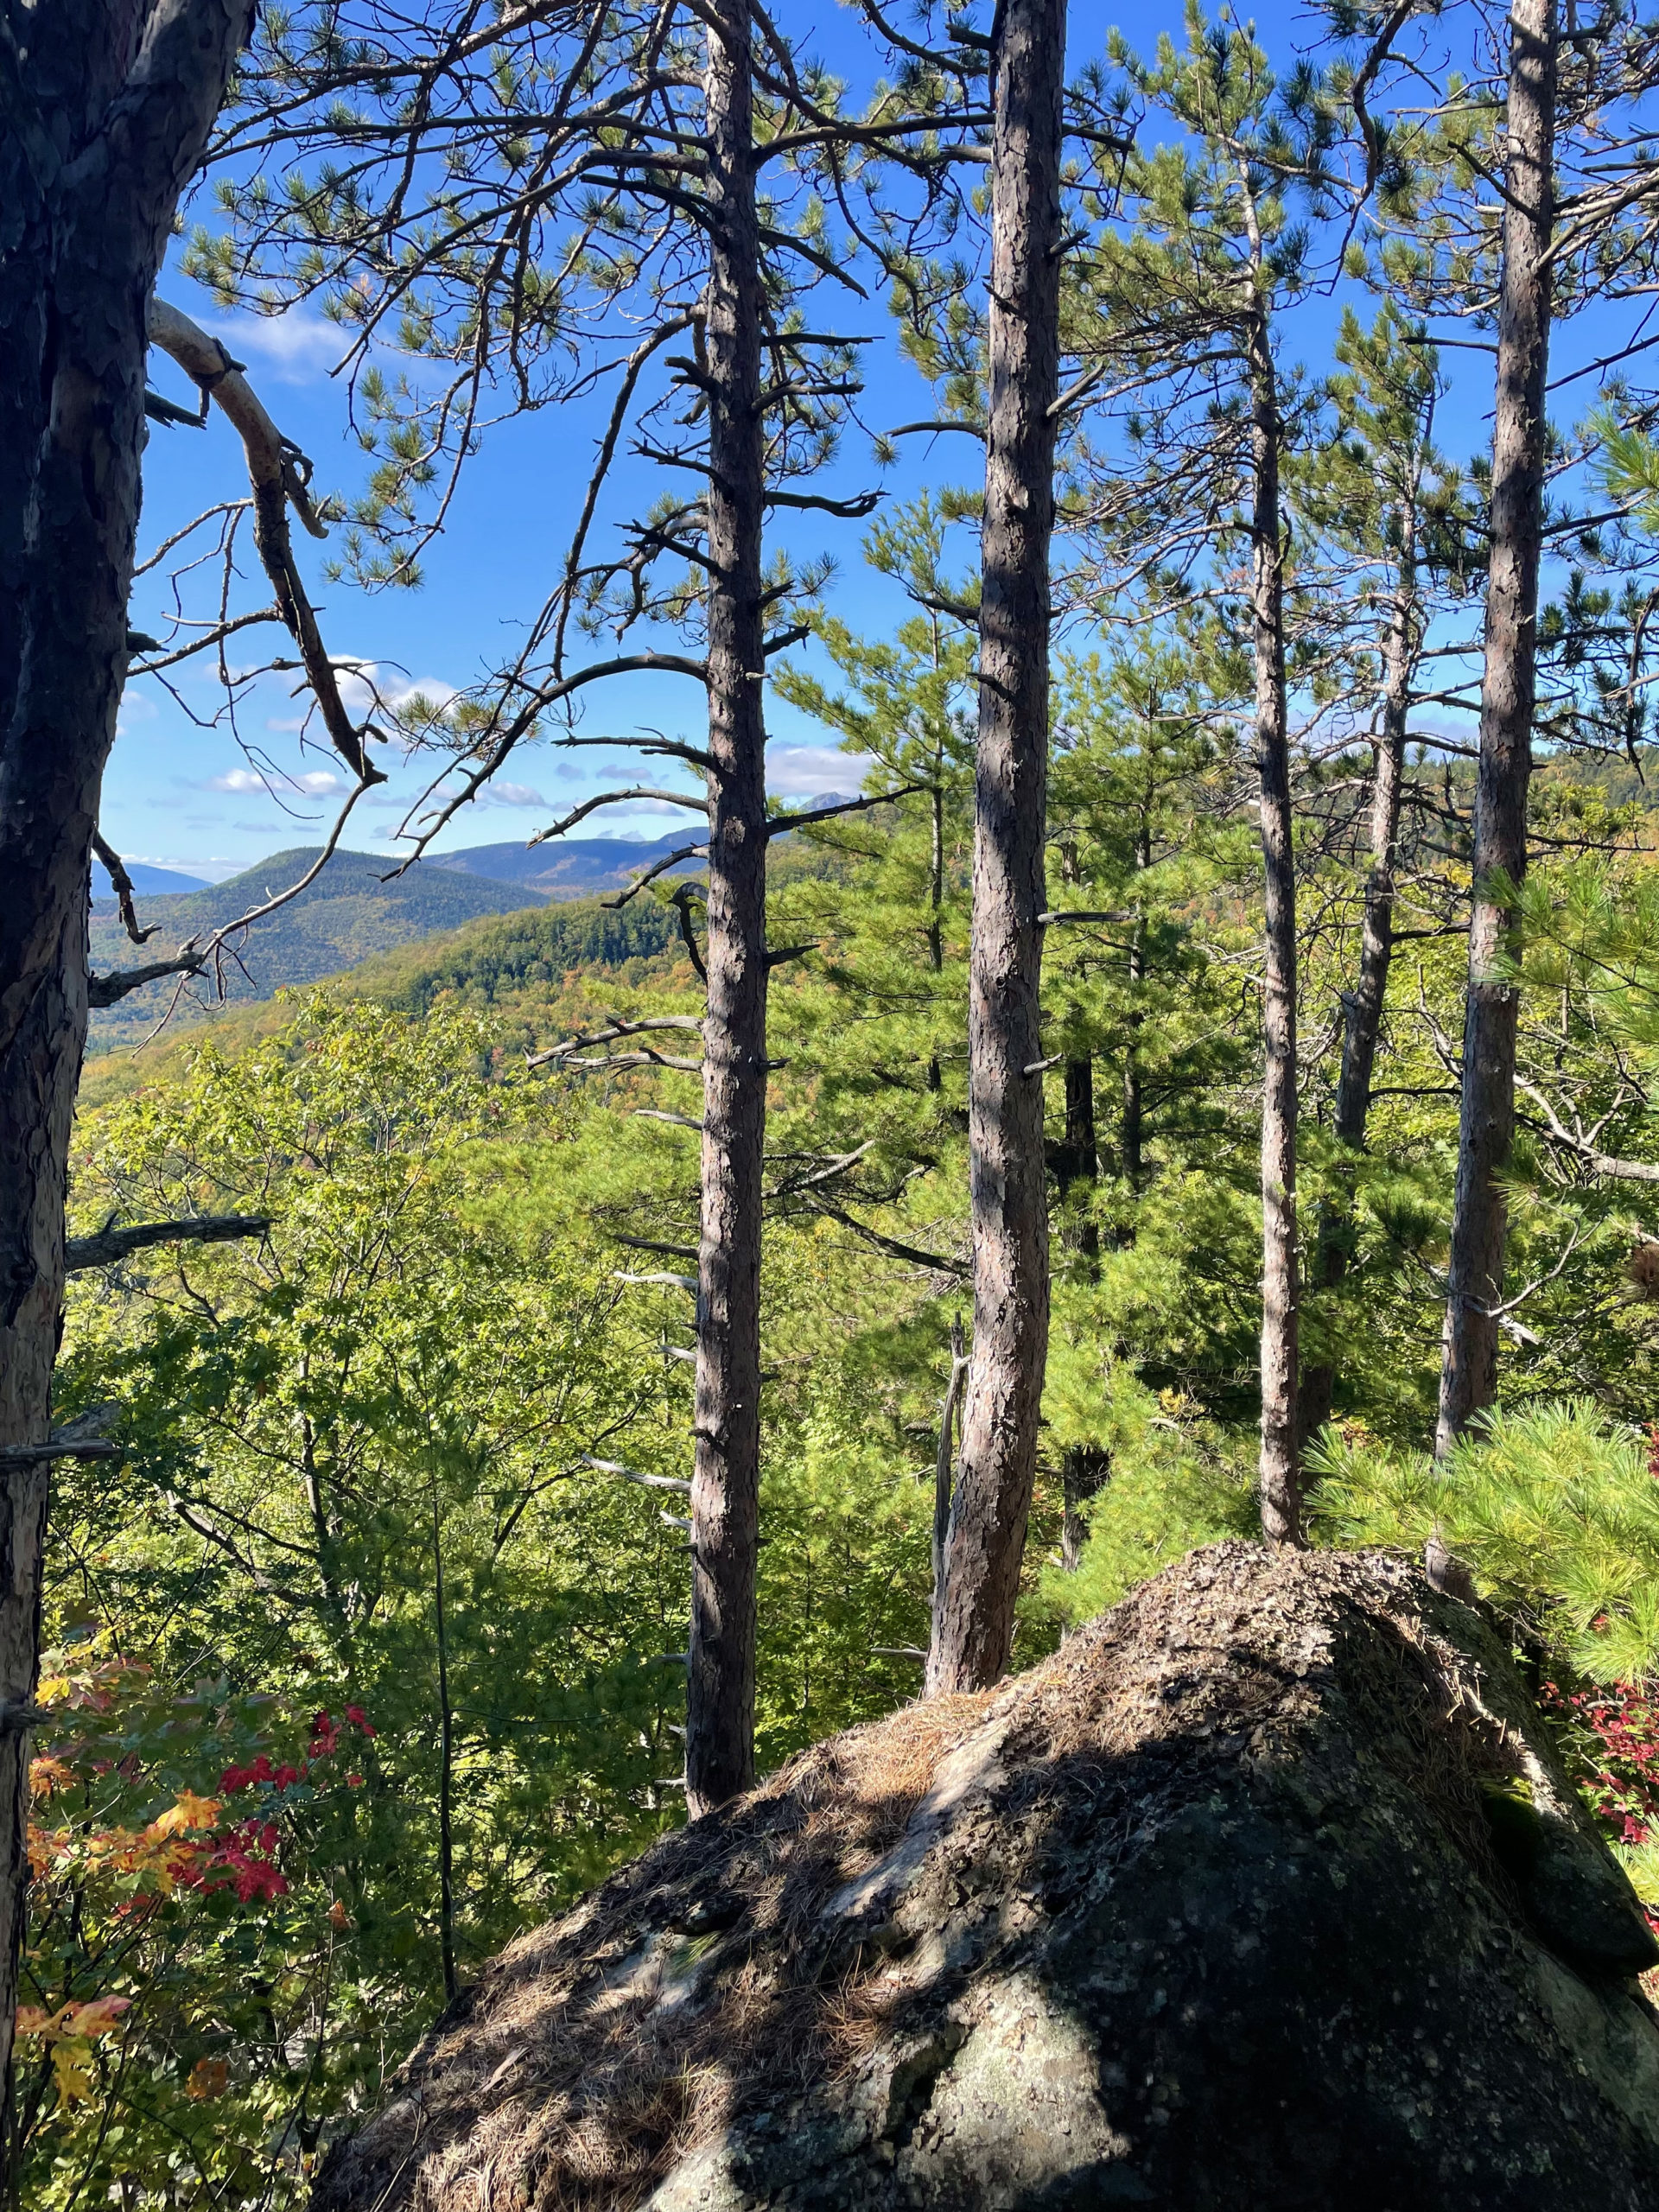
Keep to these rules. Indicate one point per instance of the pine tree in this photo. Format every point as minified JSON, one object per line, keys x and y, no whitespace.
{"x":973,"y":1630}
{"x":1387,"y":505}
{"x":1185,"y":303}
{"x":671,"y":201}
{"x":1520,"y":433}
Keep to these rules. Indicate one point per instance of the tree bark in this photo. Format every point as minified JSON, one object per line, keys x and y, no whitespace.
{"x":1363,"y":1005}
{"x":102,"y":118}
{"x":724,"y":1486}
{"x":1280,"y":1477}
{"x":998,"y":1446}
{"x":944,"y":1469}
{"x":1132,"y":1143}
{"x":936,"y":885}
{"x":1486,"y":1128}
{"x":1079,"y":1152}
{"x":108,"y":1246}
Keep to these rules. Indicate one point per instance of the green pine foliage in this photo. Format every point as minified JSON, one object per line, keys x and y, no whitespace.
{"x":361,"y":1664}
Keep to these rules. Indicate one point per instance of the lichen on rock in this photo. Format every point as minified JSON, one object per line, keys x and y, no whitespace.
{"x":1266,"y":1890}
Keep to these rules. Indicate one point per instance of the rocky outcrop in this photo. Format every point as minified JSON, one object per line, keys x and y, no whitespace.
{"x":1267,"y":1892}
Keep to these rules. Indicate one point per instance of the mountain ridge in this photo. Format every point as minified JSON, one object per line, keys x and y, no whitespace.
{"x":362,"y":907}
{"x":346,"y":915}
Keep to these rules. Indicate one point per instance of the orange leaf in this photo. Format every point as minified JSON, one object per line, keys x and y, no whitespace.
{"x":47,"y":1774}
{"x":209,"y":2077}
{"x":190,"y":1812}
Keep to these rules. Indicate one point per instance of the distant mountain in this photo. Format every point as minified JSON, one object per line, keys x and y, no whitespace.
{"x":144,"y":878}
{"x":570,"y":868}
{"x":345,"y":915}
{"x":576,"y":868}
{"x":516,"y":964}
{"x":349,"y":915}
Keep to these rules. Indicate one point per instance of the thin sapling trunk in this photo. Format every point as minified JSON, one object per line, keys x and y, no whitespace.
{"x":1281,"y":1480}
{"x":1363,"y":1006}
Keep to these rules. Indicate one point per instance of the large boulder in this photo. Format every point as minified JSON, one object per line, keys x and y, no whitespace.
{"x":1267,"y":1892}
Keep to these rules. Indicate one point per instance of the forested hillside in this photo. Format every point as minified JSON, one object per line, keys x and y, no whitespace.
{"x":502,"y":1397}
{"x":474,"y":1289}
{"x":354,"y":908}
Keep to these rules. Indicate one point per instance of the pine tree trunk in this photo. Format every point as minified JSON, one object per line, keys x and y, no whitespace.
{"x":1132,"y":1142}
{"x":936,"y":918}
{"x":1363,"y":1005}
{"x":102,"y":132}
{"x":1479,"y":1219}
{"x":1280,"y":1478}
{"x":1005,"y":1384}
{"x":1078,"y":1161}
{"x":726,"y":1479}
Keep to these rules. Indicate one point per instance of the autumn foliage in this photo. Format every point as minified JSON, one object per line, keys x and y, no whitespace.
{"x":187,"y":1978}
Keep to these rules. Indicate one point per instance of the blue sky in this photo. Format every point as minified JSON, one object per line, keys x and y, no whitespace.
{"x":189,"y":797}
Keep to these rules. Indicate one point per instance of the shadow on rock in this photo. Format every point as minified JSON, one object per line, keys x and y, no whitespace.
{"x":1268,"y":1890}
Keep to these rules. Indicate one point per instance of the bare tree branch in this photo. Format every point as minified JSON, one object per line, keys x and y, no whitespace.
{"x":121,"y":884}
{"x":109,"y":1245}
{"x":781,"y":824}
{"x":110,"y":990}
{"x":1605,"y":1164}
{"x":629,"y":1474}
{"x":696,"y":804}
{"x":278,"y":473}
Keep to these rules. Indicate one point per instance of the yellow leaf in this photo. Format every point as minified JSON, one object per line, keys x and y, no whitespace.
{"x":190,"y":1812}
{"x":47,"y":1843}
{"x":74,"y":2081}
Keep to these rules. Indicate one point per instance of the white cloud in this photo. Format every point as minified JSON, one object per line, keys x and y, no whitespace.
{"x":377,"y":685}
{"x":802,"y":771}
{"x":210,"y":870}
{"x":500,"y":794}
{"x":316,"y":782}
{"x":135,"y":707}
{"x":296,"y":348}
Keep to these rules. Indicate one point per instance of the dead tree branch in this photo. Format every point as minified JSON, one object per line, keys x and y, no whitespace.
{"x":108,"y":1245}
